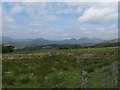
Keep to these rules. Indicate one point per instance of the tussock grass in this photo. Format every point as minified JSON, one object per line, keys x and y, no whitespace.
{"x":57,"y":68}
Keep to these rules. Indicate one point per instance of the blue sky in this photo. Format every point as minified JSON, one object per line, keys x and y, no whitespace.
{"x":60,"y":20}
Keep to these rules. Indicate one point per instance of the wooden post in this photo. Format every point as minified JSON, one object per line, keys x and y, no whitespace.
{"x":106,"y":81}
{"x":94,"y":84}
{"x":84,"y":79}
{"x":114,"y":76}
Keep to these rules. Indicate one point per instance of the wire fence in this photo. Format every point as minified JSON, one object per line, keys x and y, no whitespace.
{"x":72,"y":80}
{"x":106,"y":78}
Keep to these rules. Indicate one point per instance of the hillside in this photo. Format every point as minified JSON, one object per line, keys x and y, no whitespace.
{"x":21,"y":43}
{"x":109,"y":43}
{"x":58,"y":68}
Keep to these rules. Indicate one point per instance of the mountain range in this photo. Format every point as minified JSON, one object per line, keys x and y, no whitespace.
{"x":22,"y":43}
{"x":41,"y":41}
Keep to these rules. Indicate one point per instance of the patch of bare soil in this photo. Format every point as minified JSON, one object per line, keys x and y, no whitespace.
{"x":90,"y":56}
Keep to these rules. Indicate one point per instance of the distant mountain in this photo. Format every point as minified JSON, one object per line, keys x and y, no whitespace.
{"x":8,"y":39}
{"x":20,"y":43}
{"x":41,"y":41}
{"x":90,"y":40}
{"x":110,"y":43}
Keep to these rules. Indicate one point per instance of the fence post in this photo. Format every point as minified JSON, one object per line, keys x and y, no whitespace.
{"x":84,"y":79}
{"x":106,"y":79}
{"x":114,"y":80}
{"x":94,"y":84}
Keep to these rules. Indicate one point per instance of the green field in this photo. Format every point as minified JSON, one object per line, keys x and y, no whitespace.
{"x":58,"y":68}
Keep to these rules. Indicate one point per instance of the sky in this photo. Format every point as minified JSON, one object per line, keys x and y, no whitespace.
{"x":60,"y":20}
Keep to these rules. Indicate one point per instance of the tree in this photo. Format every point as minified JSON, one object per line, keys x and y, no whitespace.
{"x":8,"y":48}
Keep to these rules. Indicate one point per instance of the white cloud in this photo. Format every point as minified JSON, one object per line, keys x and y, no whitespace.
{"x":60,"y":34}
{"x":17,"y":8}
{"x":59,"y":0}
{"x":107,"y":33}
{"x":98,"y":14}
{"x":64,"y":8}
{"x":7,"y":21}
{"x":34,"y":8}
{"x":72,"y":8}
{"x":40,"y":20}
{"x":91,"y":0}
{"x":69,"y":11}
{"x":110,"y":32}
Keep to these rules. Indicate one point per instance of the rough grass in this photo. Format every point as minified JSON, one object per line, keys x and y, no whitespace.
{"x":60,"y":68}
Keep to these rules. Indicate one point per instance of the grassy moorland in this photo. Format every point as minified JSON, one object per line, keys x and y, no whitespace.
{"x":58,"y":68}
